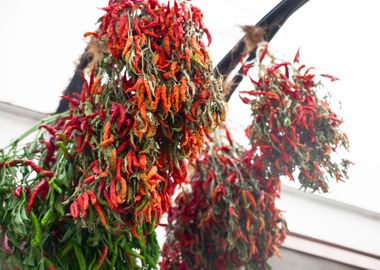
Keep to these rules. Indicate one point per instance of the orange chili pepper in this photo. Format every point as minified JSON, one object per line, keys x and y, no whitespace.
{"x":108,"y":142}
{"x":126,"y":56}
{"x":248,"y":224}
{"x":113,"y":159}
{"x":136,"y":130}
{"x":166,"y":42}
{"x":262,"y":224}
{"x":106,"y":132}
{"x":195,"y":46}
{"x":94,"y":34}
{"x":183,"y":89}
{"x":134,"y":233}
{"x":164,"y":100}
{"x":174,"y":68}
{"x":143,"y":114}
{"x":123,"y":190}
{"x":157,"y":94}
{"x":194,"y":108}
{"x":137,"y":44}
{"x":148,"y":92}
{"x":151,"y":173}
{"x":156,"y":57}
{"x":98,"y":209}
{"x":150,"y":131}
{"x":135,"y":86}
{"x":141,"y":97}
{"x":142,"y":190}
{"x":128,"y":45}
{"x":188,"y":58}
{"x":175,"y":97}
{"x":143,"y":40}
{"x":94,"y":86}
{"x":251,"y":198}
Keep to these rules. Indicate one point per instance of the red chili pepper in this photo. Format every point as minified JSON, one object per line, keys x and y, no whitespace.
{"x":229,"y":137}
{"x":113,"y":194}
{"x":150,"y":33}
{"x":98,"y":209}
{"x":74,"y":209}
{"x":50,"y":129}
{"x":102,"y":258}
{"x":135,"y":64}
{"x":122,"y":191}
{"x":42,"y":185}
{"x":130,"y":161}
{"x":122,"y":23}
{"x":18,"y":191}
{"x":232,"y":212}
{"x":306,"y":173}
{"x":136,"y":26}
{"x":108,"y":199}
{"x":52,"y":267}
{"x":297,"y":57}
{"x":332,"y":78}
{"x":72,"y":101}
{"x":142,"y":162}
{"x":90,"y":179}
{"x":135,"y":161}
{"x":263,"y":53}
{"x":85,"y":201}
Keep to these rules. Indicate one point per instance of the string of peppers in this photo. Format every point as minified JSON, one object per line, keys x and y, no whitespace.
{"x":227,"y":218}
{"x":96,"y":181}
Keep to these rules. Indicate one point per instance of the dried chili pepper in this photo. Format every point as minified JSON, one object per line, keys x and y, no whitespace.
{"x":42,"y":185}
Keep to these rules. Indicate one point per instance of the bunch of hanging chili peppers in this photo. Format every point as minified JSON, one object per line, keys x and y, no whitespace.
{"x":294,"y":131}
{"x":227,"y":219}
{"x":97,"y":180}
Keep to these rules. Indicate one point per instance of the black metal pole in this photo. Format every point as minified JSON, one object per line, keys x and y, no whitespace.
{"x":270,"y":24}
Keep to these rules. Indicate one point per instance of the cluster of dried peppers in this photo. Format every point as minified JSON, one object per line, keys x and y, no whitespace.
{"x":227,"y":219}
{"x":294,"y":131}
{"x":97,"y":180}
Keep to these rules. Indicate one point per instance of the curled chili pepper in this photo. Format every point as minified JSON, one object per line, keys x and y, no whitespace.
{"x":42,"y":186}
{"x":102,"y":258}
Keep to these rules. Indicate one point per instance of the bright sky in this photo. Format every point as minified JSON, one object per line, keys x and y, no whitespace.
{"x":41,"y":40}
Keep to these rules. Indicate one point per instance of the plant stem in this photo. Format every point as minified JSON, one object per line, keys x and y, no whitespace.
{"x":34,"y":128}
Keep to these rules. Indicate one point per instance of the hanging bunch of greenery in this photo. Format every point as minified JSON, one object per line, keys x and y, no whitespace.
{"x":96,"y":180}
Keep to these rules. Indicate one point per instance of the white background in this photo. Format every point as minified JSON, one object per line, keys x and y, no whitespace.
{"x":41,"y":40}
